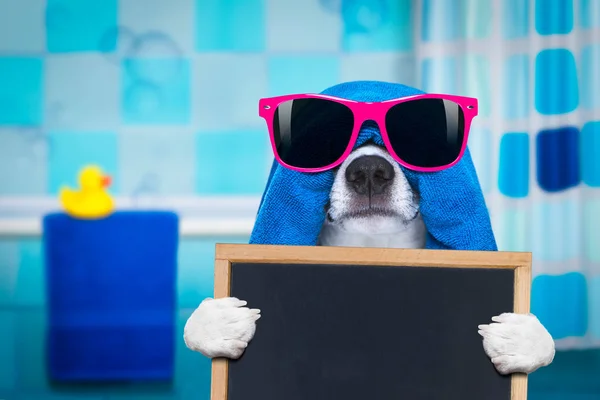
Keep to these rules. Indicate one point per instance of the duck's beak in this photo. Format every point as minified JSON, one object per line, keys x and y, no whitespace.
{"x":106,"y":181}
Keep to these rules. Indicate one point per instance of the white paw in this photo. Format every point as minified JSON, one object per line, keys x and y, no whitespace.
{"x":517,"y":343}
{"x":221,"y":327}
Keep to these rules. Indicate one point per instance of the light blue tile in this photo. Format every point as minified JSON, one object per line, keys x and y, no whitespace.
{"x":513,"y":173}
{"x":30,"y":289}
{"x":230,"y":25}
{"x":590,"y":13}
{"x":594,"y":315}
{"x":82,"y":92}
{"x":156,"y":91}
{"x":21,"y":30}
{"x":480,"y":146}
{"x":591,"y":230}
{"x":292,"y":16}
{"x":590,"y":149}
{"x":442,"y":20}
{"x":561,"y":304}
{"x":557,"y":66}
{"x":439,"y":75}
{"x":554,"y":17}
{"x":302,"y":74}
{"x":240,"y":157}
{"x":156,"y":161}
{"x":30,"y":350}
{"x":556,"y":232}
{"x":77,"y":26}
{"x":385,"y":25}
{"x":517,"y":100}
{"x":515,"y":18}
{"x":21,"y":91}
{"x":8,"y":366}
{"x":23,"y":153}
{"x":590,"y":78}
{"x":219,"y":104}
{"x":9,"y":268}
{"x":70,"y":151}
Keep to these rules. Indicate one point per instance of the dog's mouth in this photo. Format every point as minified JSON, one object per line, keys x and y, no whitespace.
{"x":371,"y":212}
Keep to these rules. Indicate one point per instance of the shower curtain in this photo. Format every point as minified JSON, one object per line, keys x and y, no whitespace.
{"x":535,"y":68}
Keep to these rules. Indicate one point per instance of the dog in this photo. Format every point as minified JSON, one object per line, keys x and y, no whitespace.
{"x":371,"y":204}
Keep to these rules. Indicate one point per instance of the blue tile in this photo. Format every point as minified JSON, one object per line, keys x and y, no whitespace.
{"x":30,"y":289}
{"x":516,"y":87}
{"x":478,"y":18}
{"x":8,"y":336}
{"x":384,"y":25}
{"x":439,"y":75}
{"x":561,"y":304}
{"x":21,"y":30}
{"x":480,"y":146}
{"x":594,"y":314}
{"x":562,"y":96}
{"x":590,"y":79}
{"x":554,"y":17}
{"x":154,"y":161}
{"x":475,"y":71}
{"x":556,"y":230}
{"x":515,"y":18}
{"x":21,"y":91}
{"x":590,"y":13}
{"x":9,"y":268}
{"x":513,"y":173}
{"x":30,"y":349}
{"x":558,"y":158}
{"x":195,"y":273}
{"x":241,"y":157}
{"x":302,"y":74}
{"x":230,"y":25}
{"x":590,"y":149}
{"x":156,"y":91}
{"x":442,"y":20}
{"x":591,"y":230}
{"x":23,"y":154}
{"x":70,"y":151}
{"x":512,"y":229}
{"x":218,"y":102}
{"x":77,"y":26}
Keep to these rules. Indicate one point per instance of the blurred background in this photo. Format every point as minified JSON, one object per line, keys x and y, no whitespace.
{"x":163,"y":94}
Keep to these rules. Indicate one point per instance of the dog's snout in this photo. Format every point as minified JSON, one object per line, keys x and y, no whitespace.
{"x":369,"y":175}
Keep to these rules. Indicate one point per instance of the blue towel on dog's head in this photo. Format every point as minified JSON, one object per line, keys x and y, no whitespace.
{"x":292,"y":208}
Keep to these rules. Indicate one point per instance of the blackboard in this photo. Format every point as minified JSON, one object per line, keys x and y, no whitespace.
{"x":349,"y":323}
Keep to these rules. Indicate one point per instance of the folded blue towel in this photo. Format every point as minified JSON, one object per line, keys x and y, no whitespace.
{"x":111,"y":287}
{"x":292,"y":208}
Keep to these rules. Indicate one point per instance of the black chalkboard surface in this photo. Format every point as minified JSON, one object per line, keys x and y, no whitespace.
{"x":346,"y":323}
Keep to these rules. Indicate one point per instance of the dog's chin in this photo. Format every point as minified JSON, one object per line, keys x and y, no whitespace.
{"x":373,"y":222}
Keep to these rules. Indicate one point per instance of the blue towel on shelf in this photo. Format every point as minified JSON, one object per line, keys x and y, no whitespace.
{"x":292,"y":207}
{"x":111,"y":294}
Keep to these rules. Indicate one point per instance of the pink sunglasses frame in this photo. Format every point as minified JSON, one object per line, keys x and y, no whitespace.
{"x":368,"y":111}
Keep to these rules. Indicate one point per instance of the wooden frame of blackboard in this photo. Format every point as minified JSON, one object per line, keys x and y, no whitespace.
{"x":226,"y":254}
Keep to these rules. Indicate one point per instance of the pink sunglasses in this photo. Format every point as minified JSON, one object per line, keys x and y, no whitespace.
{"x":315,"y":133}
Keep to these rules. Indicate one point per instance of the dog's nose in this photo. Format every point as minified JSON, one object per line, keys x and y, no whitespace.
{"x":369,"y":174}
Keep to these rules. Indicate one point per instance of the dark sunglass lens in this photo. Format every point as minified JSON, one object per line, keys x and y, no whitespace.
{"x":312,"y":133}
{"x":426,"y":133}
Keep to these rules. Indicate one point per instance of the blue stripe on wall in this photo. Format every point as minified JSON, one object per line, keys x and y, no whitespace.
{"x":513,"y":174}
{"x":558,"y":158}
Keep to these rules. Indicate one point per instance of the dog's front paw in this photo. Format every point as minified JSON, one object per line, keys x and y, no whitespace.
{"x":517,"y":343}
{"x":221,"y":327}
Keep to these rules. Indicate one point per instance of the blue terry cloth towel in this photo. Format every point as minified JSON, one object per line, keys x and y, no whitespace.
{"x":111,"y":295}
{"x":292,"y":209}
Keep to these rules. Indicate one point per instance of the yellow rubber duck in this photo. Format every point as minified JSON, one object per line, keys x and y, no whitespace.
{"x":92,"y":201}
